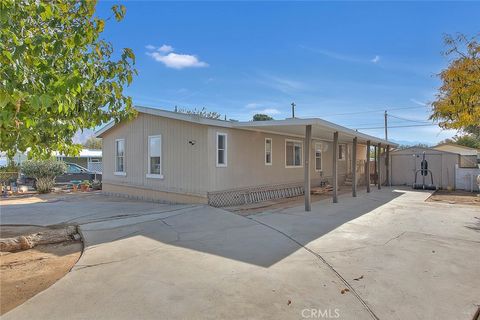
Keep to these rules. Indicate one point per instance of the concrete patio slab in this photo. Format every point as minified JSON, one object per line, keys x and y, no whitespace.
{"x":416,"y":257}
{"x":412,"y":259}
{"x":198,"y":263}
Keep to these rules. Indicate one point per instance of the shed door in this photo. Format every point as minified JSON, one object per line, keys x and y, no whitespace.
{"x":403,"y":169}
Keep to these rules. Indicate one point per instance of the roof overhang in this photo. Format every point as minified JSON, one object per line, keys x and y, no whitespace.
{"x":295,"y":127}
{"x":321,"y":129}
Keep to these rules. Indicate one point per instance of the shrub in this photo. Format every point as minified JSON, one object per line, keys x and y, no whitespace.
{"x":44,"y":172}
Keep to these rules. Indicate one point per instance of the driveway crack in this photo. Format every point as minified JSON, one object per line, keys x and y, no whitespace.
{"x":322,"y":259}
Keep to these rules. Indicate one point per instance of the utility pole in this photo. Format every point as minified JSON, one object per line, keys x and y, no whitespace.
{"x":386,"y":117}
{"x":293,"y":109}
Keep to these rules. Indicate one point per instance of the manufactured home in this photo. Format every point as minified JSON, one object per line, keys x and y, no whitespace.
{"x":176,"y":157}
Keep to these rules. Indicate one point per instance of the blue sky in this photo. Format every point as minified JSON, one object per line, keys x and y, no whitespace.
{"x":330,"y":58}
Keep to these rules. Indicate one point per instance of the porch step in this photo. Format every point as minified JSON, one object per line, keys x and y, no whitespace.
{"x":348,"y":181}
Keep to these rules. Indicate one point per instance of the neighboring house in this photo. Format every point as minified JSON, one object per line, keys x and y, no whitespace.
{"x":469,"y":157}
{"x":17,"y":159}
{"x":88,"y":158}
{"x":444,"y":165}
{"x":163,"y":155}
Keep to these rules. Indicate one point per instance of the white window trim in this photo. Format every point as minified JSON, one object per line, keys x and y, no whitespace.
{"x":301,"y":153}
{"x":124,"y":172}
{"x":271,"y":152}
{"x":318,"y":145}
{"x":221,"y":165}
{"x":155,"y":175}
{"x":344,"y":147}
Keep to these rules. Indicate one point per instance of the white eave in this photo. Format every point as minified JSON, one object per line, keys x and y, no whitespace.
{"x":321,"y":129}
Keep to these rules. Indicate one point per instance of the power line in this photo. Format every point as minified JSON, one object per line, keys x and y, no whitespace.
{"x":405,"y":119}
{"x":366,"y":111}
{"x":355,"y":125}
{"x":406,"y":126}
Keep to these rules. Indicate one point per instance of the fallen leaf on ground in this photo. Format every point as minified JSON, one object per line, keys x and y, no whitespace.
{"x":359,"y":278}
{"x":345,"y":291}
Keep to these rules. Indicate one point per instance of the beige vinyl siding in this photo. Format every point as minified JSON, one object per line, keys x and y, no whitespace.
{"x":246,"y":160}
{"x":183,"y":164}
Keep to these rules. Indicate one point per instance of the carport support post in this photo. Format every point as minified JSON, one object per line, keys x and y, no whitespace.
{"x":306,"y":166}
{"x":375,"y":172}
{"x":354,"y":167}
{"x":367,"y":169}
{"x":379,"y":167}
{"x":387,"y":165}
{"x":335,"y":159}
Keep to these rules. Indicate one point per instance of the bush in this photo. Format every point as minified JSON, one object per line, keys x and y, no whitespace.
{"x":44,"y":172}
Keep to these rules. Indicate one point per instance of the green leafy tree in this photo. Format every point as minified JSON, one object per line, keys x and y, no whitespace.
{"x":468,"y":140}
{"x":44,"y":172}
{"x":93,"y":143}
{"x":58,"y":75}
{"x":457,"y":105}
{"x":261,"y":117}
{"x":418,"y":145}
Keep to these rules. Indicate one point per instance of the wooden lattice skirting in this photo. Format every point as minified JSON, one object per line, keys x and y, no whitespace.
{"x":241,"y":196}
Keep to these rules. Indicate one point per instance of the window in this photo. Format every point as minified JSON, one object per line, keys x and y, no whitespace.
{"x":155,"y":157}
{"x":268,"y":151}
{"x":293,"y":153}
{"x":221,"y":149}
{"x":341,"y":152}
{"x":318,"y":156}
{"x":120,"y":157}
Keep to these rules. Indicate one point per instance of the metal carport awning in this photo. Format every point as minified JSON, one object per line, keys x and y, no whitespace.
{"x":315,"y":128}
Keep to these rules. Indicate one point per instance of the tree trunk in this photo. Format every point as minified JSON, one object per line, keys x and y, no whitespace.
{"x":44,"y":237}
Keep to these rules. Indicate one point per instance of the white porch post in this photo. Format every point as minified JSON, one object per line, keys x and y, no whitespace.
{"x":354,"y":167}
{"x":387,"y":165}
{"x":367,"y":169}
{"x":379,"y":167}
{"x":335,"y":159}
{"x":306,"y":166}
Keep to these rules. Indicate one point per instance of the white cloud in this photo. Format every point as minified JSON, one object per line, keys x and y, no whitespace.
{"x":269,"y":111}
{"x":282,"y":84}
{"x":342,"y":57}
{"x":178,"y":61}
{"x":165,"y":48}
{"x":170,"y":59}
{"x":418,"y":102}
{"x":252,"y":105}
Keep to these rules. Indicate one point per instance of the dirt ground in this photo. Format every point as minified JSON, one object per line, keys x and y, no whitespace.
{"x":48,"y":197}
{"x":458,"y":196}
{"x":23,"y":274}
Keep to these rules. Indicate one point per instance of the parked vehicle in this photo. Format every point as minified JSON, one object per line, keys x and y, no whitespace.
{"x":74,"y":173}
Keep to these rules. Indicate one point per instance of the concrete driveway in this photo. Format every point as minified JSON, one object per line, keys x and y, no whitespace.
{"x":144,"y":260}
